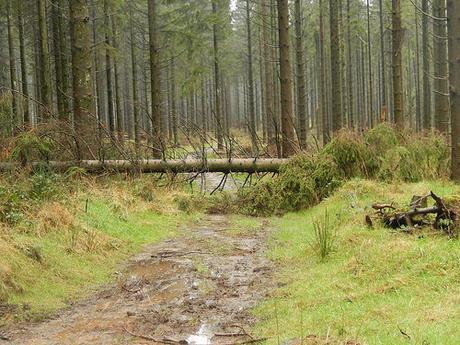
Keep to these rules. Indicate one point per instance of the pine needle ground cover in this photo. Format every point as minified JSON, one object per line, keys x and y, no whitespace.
{"x":376,"y":286}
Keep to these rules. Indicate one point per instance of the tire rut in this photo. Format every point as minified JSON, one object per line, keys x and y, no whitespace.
{"x":197,"y":288}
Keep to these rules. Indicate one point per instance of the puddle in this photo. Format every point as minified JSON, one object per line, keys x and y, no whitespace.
{"x":202,"y":337}
{"x":203,"y":275}
{"x":151,"y":269}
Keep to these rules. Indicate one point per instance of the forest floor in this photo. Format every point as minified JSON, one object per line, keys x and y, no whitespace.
{"x":196,"y":288}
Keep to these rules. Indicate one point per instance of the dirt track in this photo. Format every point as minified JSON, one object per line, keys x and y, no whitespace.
{"x":197,"y":288}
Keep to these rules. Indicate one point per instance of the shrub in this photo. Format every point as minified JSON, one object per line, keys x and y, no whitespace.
{"x":351,"y":154}
{"x":381,"y":138}
{"x":11,"y":205}
{"x":420,"y":157}
{"x":303,"y":182}
{"x":431,"y":154}
{"x":29,"y":146}
{"x":381,"y":153}
{"x":398,"y":164}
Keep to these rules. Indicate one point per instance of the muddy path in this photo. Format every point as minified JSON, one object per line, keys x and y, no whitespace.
{"x":197,"y":288}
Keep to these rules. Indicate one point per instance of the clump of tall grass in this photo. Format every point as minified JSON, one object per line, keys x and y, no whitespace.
{"x":324,"y":239}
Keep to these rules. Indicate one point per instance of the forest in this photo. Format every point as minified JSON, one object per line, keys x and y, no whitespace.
{"x":229,"y":172}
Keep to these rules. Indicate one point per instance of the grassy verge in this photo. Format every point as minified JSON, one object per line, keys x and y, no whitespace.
{"x":68,"y":243}
{"x":376,"y":287}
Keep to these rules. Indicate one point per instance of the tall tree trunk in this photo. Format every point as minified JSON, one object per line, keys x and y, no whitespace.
{"x":108,"y":66}
{"x":252,"y":114}
{"x":65,"y":65}
{"x":426,"y":69}
{"x":45,"y":72}
{"x":268,"y":69}
{"x":397,"y":64}
{"x":83,"y":102}
{"x":453,"y":15}
{"x":13,"y":80}
{"x":155,"y":79}
{"x":24,"y":74}
{"x":60,"y":96}
{"x":301,"y":94}
{"x":336,"y":88}
{"x":217,"y":108}
{"x":173,"y":101}
{"x":351,"y":123}
{"x":118,"y":93}
{"x":288,"y":140}
{"x":135,"y":99}
{"x":383,"y":86}
{"x":322,"y":79}
{"x":418,"y":112}
{"x":441,"y":84}
{"x":369,"y":70}
{"x":98,"y":70}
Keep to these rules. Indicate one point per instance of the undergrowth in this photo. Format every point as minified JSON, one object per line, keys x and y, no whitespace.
{"x":376,"y":284}
{"x":381,"y":153}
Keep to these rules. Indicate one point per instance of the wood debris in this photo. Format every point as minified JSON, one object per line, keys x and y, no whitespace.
{"x":418,"y":214}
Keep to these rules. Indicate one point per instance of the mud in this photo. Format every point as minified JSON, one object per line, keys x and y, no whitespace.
{"x":197,"y":288}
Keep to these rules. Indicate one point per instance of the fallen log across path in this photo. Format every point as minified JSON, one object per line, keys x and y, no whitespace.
{"x":246,"y":165}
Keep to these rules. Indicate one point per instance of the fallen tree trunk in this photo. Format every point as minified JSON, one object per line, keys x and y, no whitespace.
{"x":160,"y":166}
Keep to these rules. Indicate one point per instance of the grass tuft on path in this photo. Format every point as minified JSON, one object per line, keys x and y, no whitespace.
{"x":376,"y":287}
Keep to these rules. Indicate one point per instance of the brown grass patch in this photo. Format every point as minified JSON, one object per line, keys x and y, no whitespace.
{"x":53,"y":217}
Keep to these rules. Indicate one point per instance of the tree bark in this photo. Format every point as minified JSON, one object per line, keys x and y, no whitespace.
{"x":322,"y":78}
{"x":441,"y":82}
{"x":252,"y":114}
{"x":369,"y":70}
{"x":135,"y":99}
{"x":13,"y":79}
{"x":217,"y":106}
{"x":453,"y":15}
{"x":24,"y":74}
{"x":288,"y":141}
{"x":397,"y":65}
{"x":426,"y":69}
{"x":83,"y":102}
{"x":161,"y":166}
{"x":45,"y":72}
{"x":60,"y":95}
{"x":336,"y":88}
{"x":351,"y":122}
{"x":155,"y":79}
{"x":108,"y":66}
{"x":384,"y":107}
{"x":300,"y":76}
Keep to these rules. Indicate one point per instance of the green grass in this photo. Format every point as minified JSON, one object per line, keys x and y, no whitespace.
{"x":375,"y":283}
{"x":76,"y":261}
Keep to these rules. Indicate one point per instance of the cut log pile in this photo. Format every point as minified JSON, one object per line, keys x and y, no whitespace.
{"x":442,"y":215}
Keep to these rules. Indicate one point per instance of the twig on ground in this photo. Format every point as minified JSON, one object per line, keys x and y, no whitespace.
{"x":150,"y":338}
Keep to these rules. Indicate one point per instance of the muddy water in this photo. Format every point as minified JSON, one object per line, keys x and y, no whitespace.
{"x":197,"y":288}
